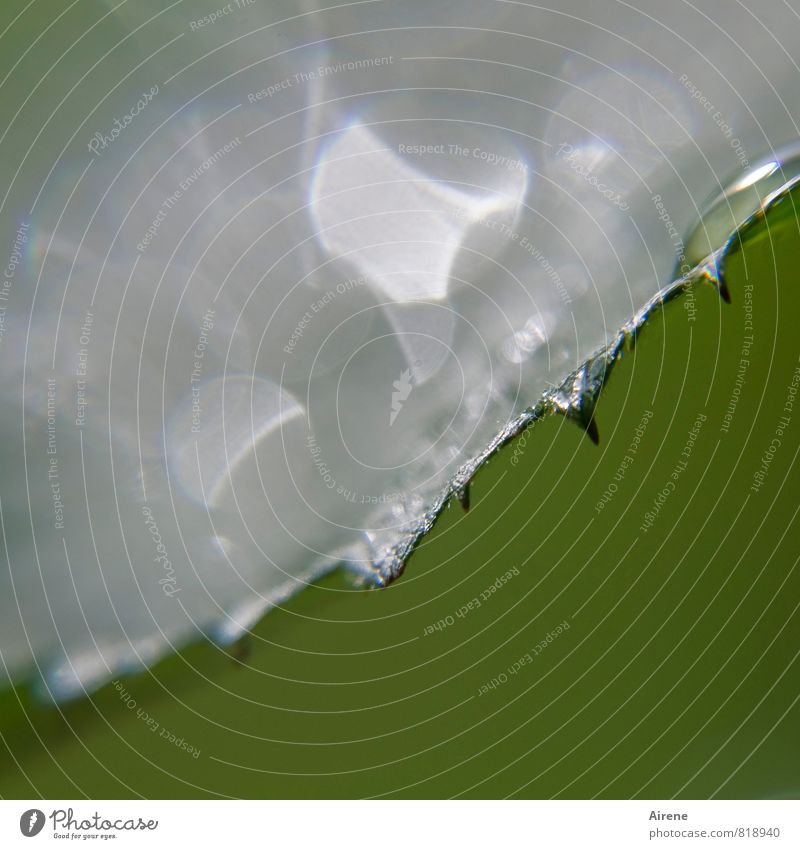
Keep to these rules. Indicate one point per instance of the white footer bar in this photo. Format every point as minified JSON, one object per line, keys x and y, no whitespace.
{"x":403,"y":824}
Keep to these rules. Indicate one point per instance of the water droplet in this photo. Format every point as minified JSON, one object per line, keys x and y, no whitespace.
{"x":741,"y":197}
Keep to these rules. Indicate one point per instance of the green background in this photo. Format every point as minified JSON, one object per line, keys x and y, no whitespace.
{"x":678,"y":675}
